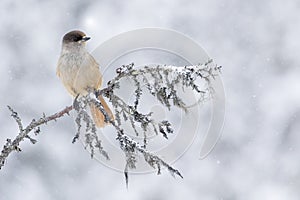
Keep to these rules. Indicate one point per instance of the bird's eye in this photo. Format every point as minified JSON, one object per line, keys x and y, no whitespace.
{"x":77,"y":39}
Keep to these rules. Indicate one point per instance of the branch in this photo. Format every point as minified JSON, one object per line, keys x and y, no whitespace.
{"x":160,"y":81}
{"x":13,"y":145}
{"x":131,"y":147}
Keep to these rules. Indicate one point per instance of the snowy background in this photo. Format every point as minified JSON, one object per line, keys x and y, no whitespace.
{"x":256,"y":42}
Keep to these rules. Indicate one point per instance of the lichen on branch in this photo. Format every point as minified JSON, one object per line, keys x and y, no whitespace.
{"x":161,"y":82}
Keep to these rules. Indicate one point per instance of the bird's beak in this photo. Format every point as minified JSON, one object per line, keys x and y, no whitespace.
{"x":85,"y":38}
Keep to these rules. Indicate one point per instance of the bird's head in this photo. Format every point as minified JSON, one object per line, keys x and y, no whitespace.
{"x":75,"y":38}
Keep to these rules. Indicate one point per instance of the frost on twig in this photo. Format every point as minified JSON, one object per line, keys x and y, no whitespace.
{"x":34,"y":126}
{"x":161,"y":82}
{"x":92,"y":141}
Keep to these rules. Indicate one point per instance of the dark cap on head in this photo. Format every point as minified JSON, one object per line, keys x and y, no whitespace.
{"x":75,"y":36}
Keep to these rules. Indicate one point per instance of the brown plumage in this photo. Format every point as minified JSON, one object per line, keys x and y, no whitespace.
{"x":79,"y":71}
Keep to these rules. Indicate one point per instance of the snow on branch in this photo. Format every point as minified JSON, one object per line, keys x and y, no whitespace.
{"x":160,"y":81}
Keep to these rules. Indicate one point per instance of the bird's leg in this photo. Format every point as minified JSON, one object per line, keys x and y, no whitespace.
{"x":92,"y":91}
{"x":76,"y":105}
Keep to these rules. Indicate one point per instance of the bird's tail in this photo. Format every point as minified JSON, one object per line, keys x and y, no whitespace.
{"x":98,"y":117}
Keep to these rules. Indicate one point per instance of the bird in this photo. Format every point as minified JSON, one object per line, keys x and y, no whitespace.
{"x":80,"y":73}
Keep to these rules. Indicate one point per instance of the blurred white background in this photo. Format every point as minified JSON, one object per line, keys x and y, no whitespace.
{"x":256,"y":43}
